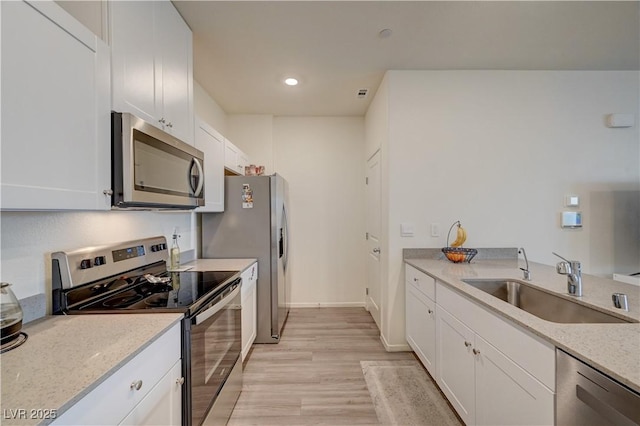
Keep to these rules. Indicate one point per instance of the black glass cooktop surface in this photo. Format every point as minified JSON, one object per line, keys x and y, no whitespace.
{"x":166,"y":291}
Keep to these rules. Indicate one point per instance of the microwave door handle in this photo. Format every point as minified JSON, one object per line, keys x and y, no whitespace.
{"x":202,"y":317}
{"x":198,"y":189}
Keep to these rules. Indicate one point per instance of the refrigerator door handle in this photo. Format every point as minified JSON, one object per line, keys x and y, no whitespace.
{"x":286,"y":237}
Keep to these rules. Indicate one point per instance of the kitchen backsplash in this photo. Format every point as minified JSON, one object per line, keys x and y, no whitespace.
{"x":29,"y":238}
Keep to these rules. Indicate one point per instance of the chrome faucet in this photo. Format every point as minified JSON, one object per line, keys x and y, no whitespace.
{"x":525,"y":271}
{"x":573,"y":270}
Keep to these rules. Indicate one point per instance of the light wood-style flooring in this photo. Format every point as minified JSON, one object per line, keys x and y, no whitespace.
{"x":313,"y":376}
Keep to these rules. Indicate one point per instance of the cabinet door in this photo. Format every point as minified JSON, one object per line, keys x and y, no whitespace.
{"x":163,"y":404}
{"x":243,"y":161}
{"x":249,"y":308}
{"x":55,"y":111}
{"x":506,"y":394}
{"x":136,"y":70}
{"x":231,"y":156}
{"x":175,"y":52}
{"x":212,"y":144}
{"x":421,"y":327}
{"x":455,"y":364}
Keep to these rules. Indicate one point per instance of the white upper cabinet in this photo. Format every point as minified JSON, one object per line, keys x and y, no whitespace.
{"x":55,"y":136}
{"x":152,"y":65}
{"x":211,"y":143}
{"x":234,"y":159}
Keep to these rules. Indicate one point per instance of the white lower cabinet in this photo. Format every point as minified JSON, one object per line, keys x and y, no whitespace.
{"x":485,"y":386}
{"x":249,"y":297}
{"x":162,"y":405}
{"x":506,"y":394}
{"x":146,"y":390}
{"x":491,"y":371}
{"x":421,"y":319}
{"x":456,"y":367}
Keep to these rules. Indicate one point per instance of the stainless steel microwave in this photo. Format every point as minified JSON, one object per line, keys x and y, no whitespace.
{"x":150,"y":169}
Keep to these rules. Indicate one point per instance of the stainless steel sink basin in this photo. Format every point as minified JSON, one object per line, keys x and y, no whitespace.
{"x":542,"y":304}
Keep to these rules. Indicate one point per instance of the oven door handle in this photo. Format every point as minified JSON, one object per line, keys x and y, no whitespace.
{"x":202,"y":317}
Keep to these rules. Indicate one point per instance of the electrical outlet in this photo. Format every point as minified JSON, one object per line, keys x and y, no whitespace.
{"x":435,"y":230}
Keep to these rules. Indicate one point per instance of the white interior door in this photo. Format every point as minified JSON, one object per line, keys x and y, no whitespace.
{"x":373,"y":237}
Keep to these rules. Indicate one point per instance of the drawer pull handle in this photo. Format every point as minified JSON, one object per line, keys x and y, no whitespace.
{"x":180,"y":381}
{"x":137,"y":385}
{"x":430,"y":311}
{"x":415,"y":280}
{"x":476,"y":352}
{"x":467,"y":344}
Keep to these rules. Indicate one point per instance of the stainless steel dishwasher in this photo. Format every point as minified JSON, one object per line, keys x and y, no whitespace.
{"x":585,"y":396}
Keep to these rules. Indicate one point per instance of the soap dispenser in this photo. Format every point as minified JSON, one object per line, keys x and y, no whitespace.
{"x":175,"y":251}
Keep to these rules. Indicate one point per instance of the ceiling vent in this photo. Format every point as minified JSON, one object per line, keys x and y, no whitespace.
{"x":362,"y":93}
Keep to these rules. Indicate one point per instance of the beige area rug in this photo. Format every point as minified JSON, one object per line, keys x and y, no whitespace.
{"x":404,"y":394}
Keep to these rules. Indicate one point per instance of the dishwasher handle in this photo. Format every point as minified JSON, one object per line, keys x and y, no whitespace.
{"x":608,"y":406}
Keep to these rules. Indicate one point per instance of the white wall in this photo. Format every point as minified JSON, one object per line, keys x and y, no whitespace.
{"x":253,"y":134}
{"x":208,"y":109}
{"x":321,"y":157}
{"x":29,"y":238}
{"x":498,"y":150}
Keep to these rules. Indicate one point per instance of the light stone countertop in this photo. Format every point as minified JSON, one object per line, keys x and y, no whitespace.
{"x":219,"y":264}
{"x":65,"y":357}
{"x":611,"y":348}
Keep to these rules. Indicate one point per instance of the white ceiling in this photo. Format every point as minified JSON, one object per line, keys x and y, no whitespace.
{"x":244,"y":49}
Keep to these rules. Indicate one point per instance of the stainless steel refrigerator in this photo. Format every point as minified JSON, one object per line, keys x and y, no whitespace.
{"x":254,"y":225}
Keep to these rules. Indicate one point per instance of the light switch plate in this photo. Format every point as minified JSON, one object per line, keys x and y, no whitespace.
{"x":406,"y":229}
{"x":571,"y":201}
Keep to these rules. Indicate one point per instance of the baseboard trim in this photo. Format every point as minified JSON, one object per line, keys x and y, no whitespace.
{"x":394,"y":348}
{"x":329,"y":305}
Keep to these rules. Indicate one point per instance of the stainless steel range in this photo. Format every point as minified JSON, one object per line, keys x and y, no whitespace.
{"x":132,"y":277}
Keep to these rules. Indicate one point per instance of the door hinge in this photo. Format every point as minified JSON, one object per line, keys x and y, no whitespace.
{"x":366,"y":236}
{"x":366,"y":290}
{"x":366,"y":181}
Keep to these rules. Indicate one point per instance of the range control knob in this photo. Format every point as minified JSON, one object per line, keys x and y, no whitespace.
{"x":100,"y":260}
{"x":85,"y":264}
{"x":154,"y":248}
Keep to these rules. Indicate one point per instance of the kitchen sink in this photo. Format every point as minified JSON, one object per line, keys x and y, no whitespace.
{"x":541,"y":303}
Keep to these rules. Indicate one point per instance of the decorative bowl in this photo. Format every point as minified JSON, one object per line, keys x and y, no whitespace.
{"x":459,"y":254}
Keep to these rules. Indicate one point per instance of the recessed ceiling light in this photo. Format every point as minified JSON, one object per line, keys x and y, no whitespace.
{"x":385,"y":33}
{"x":290,"y":81}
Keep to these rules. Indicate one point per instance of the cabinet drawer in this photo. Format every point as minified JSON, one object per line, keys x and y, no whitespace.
{"x":116,"y":397}
{"x":420,"y":281}
{"x":531,"y":352}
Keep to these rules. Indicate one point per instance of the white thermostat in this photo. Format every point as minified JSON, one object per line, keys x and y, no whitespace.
{"x":572,"y":219}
